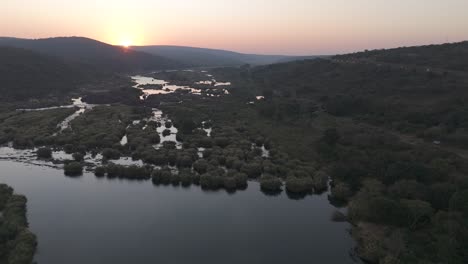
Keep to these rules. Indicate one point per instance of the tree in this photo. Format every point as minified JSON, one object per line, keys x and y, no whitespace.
{"x":270,"y":183}
{"x":331,"y":136}
{"x":418,"y":212}
{"x":459,"y":202}
{"x":78,"y":157}
{"x":200,"y":166}
{"x":44,"y":153}
{"x":73,"y":169}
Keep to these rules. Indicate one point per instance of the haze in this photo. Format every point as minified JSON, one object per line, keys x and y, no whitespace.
{"x":251,"y":26}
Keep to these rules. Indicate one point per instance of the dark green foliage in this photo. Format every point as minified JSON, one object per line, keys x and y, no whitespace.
{"x":270,"y":183}
{"x":253,"y":170}
{"x":166,"y":132}
{"x":132,"y":172}
{"x":299,"y":185}
{"x":44,"y":153}
{"x":211,"y":181}
{"x":161,"y":176}
{"x":100,"y":171}
{"x":100,"y":128}
{"x":79,"y":157}
{"x":459,"y":202}
{"x":73,"y":169}
{"x":200,"y":166}
{"x":17,"y":243}
{"x":331,"y":136}
{"x":29,"y":129}
{"x":111,"y":154}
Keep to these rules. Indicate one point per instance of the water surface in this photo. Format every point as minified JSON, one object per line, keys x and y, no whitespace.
{"x":96,"y":221}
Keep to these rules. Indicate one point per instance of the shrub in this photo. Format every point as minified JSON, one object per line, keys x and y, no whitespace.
{"x":44,"y":153}
{"x":78,"y":157}
{"x":200,"y":166}
{"x":186,"y":177}
{"x":166,"y":132}
{"x":270,"y":184}
{"x":341,"y":191}
{"x":320,"y":182}
{"x":73,"y":169}
{"x":299,"y":185}
{"x":229,"y":183}
{"x":253,"y":170}
{"x":241,"y":180}
{"x":161,"y":176}
{"x":69,"y":148}
{"x":111,"y":154}
{"x":100,"y":171}
{"x":209,"y":181}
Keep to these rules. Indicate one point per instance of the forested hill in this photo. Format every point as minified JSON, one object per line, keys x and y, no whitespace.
{"x":93,"y":53}
{"x":452,"y":56}
{"x":26,"y":74}
{"x":425,"y":97}
{"x":213,"y":57}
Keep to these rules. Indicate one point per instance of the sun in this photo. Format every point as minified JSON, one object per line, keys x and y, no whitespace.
{"x":126,"y":43}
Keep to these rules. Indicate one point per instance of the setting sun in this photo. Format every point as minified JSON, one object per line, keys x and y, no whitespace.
{"x":126,"y":43}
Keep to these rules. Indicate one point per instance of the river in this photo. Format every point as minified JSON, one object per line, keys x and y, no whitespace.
{"x":95,"y":221}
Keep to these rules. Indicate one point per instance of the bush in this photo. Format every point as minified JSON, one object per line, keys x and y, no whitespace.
{"x":100,"y":171}
{"x":241,"y":180}
{"x":186,"y":177}
{"x":299,"y":185}
{"x":166,"y":132}
{"x":253,"y":170}
{"x":73,"y":169}
{"x":161,"y":176}
{"x":44,"y":153}
{"x":270,"y":184}
{"x":229,"y":183}
{"x":208,"y":181}
{"x":78,"y":157}
{"x":320,"y":182}
{"x":341,"y":192}
{"x":111,"y":154}
{"x":200,"y":166}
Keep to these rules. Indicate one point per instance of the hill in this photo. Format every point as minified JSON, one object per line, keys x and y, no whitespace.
{"x":93,"y":53}
{"x":25,"y":74}
{"x":213,"y":57}
{"x":450,"y":56}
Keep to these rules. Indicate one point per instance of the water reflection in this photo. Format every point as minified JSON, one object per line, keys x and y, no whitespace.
{"x":91,"y":220}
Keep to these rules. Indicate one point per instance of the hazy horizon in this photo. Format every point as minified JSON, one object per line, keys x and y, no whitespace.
{"x":304,"y":27}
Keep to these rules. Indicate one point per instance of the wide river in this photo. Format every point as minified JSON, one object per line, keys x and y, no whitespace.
{"x":99,"y":221}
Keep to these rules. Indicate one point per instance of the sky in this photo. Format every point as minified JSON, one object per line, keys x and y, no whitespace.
{"x":293,"y":27}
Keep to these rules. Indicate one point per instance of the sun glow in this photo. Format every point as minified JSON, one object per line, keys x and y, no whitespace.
{"x":126,"y":43}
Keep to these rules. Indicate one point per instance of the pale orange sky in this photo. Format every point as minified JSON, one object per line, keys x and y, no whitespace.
{"x":252,"y":26}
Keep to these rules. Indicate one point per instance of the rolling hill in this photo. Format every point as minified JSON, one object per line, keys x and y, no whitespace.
{"x":93,"y":53}
{"x":214,"y":57}
{"x":24,"y":74}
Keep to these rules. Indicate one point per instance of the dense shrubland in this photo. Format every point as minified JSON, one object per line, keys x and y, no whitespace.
{"x":28,"y":129}
{"x":17,"y":243}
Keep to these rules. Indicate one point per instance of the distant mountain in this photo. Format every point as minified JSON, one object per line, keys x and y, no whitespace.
{"x":93,"y":53}
{"x":213,"y":57}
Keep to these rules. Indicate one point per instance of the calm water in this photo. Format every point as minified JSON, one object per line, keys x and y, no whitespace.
{"x":97,"y":221}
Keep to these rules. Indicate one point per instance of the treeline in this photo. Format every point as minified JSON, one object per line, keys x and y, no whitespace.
{"x":17,"y":243}
{"x":453,"y":56}
{"x":411,"y":197}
